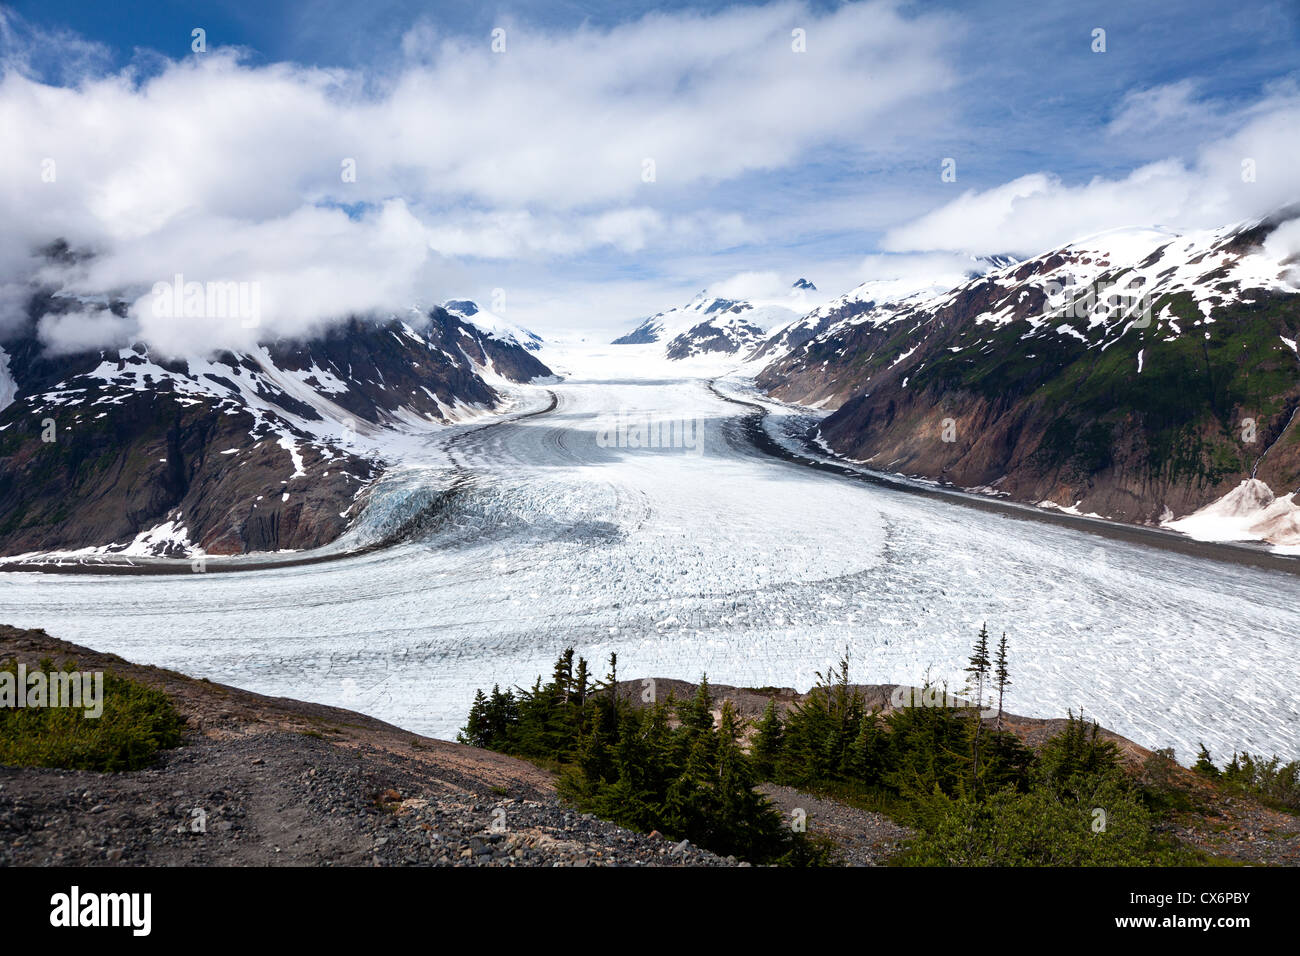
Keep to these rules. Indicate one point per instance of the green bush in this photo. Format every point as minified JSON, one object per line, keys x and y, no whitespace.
{"x":1038,"y":828}
{"x":1273,"y":782}
{"x":137,"y":722}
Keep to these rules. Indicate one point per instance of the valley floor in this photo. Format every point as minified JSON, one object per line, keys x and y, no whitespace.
{"x":564,"y":529}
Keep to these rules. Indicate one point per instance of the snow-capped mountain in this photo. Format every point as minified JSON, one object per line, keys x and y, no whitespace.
{"x":711,"y":324}
{"x":493,"y":325}
{"x":125,"y":451}
{"x":874,"y":300}
{"x":1138,"y":374}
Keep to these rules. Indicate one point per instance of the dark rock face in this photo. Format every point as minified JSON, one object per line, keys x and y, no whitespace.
{"x":511,"y":360}
{"x":792,"y":336}
{"x":643,"y":334}
{"x":729,"y":338}
{"x":244,"y":452}
{"x":463,"y":306}
{"x":1019,"y":382}
{"x":158,"y":459}
{"x":490,"y":329}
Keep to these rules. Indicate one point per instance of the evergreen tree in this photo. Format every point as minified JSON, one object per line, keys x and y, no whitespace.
{"x":979,"y":670}
{"x":746,"y":823}
{"x":869,"y":761}
{"x":929,"y":748}
{"x":1072,"y":761}
{"x":474,"y":733}
{"x":1204,"y":765}
{"x":696,"y":714}
{"x":978,"y":667}
{"x":820,"y":730}
{"x":502,"y":712}
{"x":580,"y":683}
{"x":562,"y":676}
{"x":768,"y":742}
{"x":1002,"y":676}
{"x":610,"y":696}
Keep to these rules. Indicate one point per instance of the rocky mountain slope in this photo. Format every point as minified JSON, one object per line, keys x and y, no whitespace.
{"x":1139,"y":375}
{"x":710,"y":324}
{"x":875,"y":297}
{"x":126,"y":451}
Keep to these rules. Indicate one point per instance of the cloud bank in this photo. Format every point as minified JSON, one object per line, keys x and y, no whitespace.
{"x":593,"y":173}
{"x":1249,"y":172}
{"x":341,"y":191}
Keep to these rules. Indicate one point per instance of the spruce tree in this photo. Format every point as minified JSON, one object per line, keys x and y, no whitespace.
{"x":1001,"y":675}
{"x":474,"y":732}
{"x":978,"y":667}
{"x":611,"y":692}
{"x":696,"y":714}
{"x":562,"y":676}
{"x":1204,"y":764}
{"x":580,"y":683}
{"x":869,"y":760}
{"x":768,"y":741}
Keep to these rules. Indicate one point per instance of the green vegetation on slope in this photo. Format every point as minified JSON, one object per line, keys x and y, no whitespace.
{"x":972,"y":791}
{"x":137,"y":721}
{"x":664,"y":767}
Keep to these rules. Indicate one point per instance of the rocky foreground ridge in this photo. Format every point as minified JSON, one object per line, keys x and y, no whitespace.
{"x":284,"y":782}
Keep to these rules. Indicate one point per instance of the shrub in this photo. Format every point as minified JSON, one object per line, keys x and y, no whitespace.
{"x":1038,"y":828}
{"x":136,"y":723}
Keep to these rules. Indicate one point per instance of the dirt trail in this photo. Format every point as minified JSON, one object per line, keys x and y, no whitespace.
{"x":283,"y":782}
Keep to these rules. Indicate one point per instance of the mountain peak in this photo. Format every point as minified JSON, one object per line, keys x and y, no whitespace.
{"x":465,"y":307}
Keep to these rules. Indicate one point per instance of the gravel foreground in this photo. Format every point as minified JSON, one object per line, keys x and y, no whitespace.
{"x":267,"y":781}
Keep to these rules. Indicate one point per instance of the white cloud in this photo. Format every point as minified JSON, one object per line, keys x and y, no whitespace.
{"x":1037,"y":212}
{"x":510,"y":234}
{"x":224,"y":170}
{"x":82,"y":329}
{"x":755,"y":286}
{"x":31,"y":50}
{"x":1283,"y":244}
{"x":1173,"y":103}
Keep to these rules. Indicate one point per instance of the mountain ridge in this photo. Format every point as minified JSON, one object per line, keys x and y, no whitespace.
{"x":1108,"y":376}
{"x":712,"y":324}
{"x":121,"y":451}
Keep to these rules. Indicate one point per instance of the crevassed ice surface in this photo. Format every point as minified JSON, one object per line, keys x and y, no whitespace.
{"x":713,"y":558}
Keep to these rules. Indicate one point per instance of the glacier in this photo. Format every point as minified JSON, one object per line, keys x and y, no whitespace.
{"x":530,"y":535}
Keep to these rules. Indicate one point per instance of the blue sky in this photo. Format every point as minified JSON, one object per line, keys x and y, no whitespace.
{"x":770,"y":164}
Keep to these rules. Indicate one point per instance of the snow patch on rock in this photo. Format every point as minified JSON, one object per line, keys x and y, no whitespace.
{"x":1249,"y":512}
